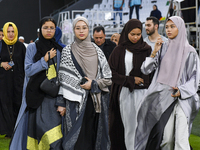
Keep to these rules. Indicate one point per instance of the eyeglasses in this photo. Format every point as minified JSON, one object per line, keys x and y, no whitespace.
{"x":49,"y":29}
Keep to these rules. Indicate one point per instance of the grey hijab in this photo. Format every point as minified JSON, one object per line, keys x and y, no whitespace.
{"x":85,"y":53}
{"x":173,"y":62}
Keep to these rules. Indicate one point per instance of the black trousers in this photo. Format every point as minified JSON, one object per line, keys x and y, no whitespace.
{"x":137,"y":7}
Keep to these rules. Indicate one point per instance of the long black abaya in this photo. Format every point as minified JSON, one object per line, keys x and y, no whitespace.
{"x":11,"y":86}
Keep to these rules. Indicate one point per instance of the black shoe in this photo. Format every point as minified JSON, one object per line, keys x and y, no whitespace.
{"x":7,"y":137}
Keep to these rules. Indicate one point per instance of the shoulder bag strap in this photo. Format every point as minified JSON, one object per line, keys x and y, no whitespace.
{"x":48,"y":62}
{"x":53,"y":64}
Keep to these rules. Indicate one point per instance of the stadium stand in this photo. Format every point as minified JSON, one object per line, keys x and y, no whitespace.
{"x":101,"y":13}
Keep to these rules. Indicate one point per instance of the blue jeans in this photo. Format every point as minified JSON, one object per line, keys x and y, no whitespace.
{"x":137,"y":7}
{"x":120,"y":15}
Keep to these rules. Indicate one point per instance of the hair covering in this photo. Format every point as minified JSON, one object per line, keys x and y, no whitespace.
{"x":136,"y":48}
{"x":124,"y":40}
{"x":80,"y":19}
{"x":140,"y":51}
{"x":33,"y":87}
{"x":85,"y":53}
{"x":21,"y":37}
{"x":58,"y":35}
{"x":120,"y":79}
{"x":156,"y":6}
{"x":156,"y":13}
{"x":5,"y":29}
{"x":173,"y":62}
{"x":43,"y":45}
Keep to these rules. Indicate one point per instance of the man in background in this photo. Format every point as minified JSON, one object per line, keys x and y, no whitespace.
{"x":100,"y":40}
{"x":38,"y":33}
{"x":21,"y":39}
{"x":151,"y":27}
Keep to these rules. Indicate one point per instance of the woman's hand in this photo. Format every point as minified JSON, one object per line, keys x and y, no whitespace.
{"x":52,"y":54}
{"x":157,"y":46}
{"x":62,"y":110}
{"x":87,"y":85}
{"x":138,"y":80}
{"x":177,"y":94}
{"x":6,"y":66}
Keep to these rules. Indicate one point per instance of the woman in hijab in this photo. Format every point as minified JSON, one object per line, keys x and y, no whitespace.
{"x":39,"y":124}
{"x":12,"y":54}
{"x":171,"y":103}
{"x":58,"y":35}
{"x":155,"y":12}
{"x":129,"y":85}
{"x":85,"y":76}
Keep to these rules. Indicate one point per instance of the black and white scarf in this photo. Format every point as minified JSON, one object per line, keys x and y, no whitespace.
{"x":70,"y":77}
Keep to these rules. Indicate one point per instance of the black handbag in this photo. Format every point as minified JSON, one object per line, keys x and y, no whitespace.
{"x":50,"y":87}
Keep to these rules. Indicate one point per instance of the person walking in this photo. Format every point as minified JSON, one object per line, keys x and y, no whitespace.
{"x":129,"y":85}
{"x":38,"y":124}
{"x":84,"y":96}
{"x":12,"y":55}
{"x":171,"y":102}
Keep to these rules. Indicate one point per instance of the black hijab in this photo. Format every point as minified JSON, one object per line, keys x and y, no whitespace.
{"x":116,"y":62}
{"x":34,"y":95}
{"x":43,"y":45}
{"x":140,"y":51}
{"x":138,"y":47}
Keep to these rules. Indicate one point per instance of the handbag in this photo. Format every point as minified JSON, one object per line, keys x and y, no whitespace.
{"x":50,"y":87}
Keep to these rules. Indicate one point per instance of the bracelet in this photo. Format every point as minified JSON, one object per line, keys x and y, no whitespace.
{"x":1,"y":65}
{"x":153,"y":54}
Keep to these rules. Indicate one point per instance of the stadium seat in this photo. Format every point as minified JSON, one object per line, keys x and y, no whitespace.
{"x":104,"y":2}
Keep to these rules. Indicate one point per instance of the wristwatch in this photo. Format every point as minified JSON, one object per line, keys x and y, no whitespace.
{"x":1,"y":65}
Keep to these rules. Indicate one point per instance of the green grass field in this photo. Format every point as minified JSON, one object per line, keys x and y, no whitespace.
{"x":196,"y":126}
{"x":195,"y":142}
{"x":4,"y":143}
{"x":194,"y":138}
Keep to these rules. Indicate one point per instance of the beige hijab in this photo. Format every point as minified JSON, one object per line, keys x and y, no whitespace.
{"x":85,"y":53}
